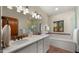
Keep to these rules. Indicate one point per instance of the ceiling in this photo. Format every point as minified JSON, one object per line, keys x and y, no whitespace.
{"x":51,"y":10}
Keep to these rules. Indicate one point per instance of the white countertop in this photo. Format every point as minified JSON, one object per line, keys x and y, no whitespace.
{"x":24,"y":42}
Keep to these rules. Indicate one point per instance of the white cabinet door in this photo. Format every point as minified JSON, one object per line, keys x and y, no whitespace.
{"x":28,"y":49}
{"x":46,"y":44}
{"x":40,"y":46}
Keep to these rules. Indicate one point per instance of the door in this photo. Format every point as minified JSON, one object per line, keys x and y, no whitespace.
{"x":13,"y":24}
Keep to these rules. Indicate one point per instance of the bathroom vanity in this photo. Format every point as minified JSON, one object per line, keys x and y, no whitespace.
{"x":41,"y":43}
{"x":30,"y":44}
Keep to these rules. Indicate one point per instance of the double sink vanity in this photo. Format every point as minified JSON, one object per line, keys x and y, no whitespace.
{"x":30,"y":44}
{"x":40,"y":43}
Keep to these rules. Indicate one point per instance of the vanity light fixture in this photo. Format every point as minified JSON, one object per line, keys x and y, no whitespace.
{"x":25,"y":10}
{"x":39,"y":16}
{"x":19,"y":8}
{"x":36,"y":15}
{"x":9,"y":7}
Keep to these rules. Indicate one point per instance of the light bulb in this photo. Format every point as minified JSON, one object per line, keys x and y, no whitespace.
{"x":56,"y":9}
{"x":38,"y":16}
{"x":25,"y":11}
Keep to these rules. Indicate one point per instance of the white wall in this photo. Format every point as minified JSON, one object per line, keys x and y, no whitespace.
{"x":67,"y":17}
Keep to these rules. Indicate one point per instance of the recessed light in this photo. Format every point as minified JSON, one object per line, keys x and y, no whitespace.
{"x":56,"y":9}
